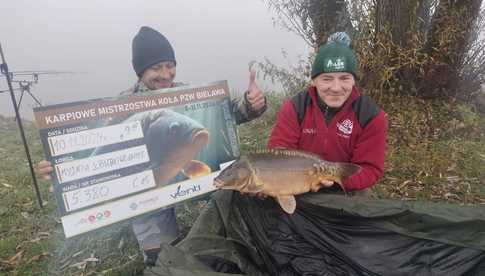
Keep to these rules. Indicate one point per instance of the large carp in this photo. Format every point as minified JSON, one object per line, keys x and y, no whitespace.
{"x":172,"y":141}
{"x":281,"y":174}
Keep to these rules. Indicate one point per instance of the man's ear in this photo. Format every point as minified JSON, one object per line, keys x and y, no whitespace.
{"x":312,"y":83}
{"x":353,"y":77}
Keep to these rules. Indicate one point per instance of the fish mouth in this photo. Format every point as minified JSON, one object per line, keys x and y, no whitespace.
{"x":200,"y":137}
{"x":218,"y":183}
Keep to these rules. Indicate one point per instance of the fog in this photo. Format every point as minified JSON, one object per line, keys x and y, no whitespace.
{"x":213,"y":40}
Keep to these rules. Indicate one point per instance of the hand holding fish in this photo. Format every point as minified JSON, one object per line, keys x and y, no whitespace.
{"x":282,"y":174}
{"x":324,"y":184}
{"x":254,"y":95}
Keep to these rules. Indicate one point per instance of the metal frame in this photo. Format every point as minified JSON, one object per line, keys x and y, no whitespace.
{"x":8,"y":75}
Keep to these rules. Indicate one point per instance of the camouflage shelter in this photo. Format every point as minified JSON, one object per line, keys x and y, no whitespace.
{"x":329,"y":234}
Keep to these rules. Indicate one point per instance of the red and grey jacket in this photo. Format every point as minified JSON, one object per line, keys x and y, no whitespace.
{"x":357,"y":133}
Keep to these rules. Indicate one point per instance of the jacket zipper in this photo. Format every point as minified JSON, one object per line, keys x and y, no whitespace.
{"x":326,"y":129}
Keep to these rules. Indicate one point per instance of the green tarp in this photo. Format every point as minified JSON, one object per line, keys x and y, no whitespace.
{"x":329,"y":234}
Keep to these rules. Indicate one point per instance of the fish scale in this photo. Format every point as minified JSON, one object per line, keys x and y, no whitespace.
{"x":282,"y":174}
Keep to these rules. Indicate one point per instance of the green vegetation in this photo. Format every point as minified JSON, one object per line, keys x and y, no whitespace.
{"x":436,"y":152}
{"x":32,"y":240}
{"x":436,"y":149}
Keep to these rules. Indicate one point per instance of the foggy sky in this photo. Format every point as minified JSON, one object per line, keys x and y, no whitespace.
{"x":213,"y":40}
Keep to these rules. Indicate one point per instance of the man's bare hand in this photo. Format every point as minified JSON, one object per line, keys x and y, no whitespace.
{"x":44,"y":168}
{"x":255,"y":95}
{"x":324,"y":184}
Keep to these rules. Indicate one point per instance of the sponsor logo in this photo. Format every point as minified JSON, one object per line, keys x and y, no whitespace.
{"x":99,"y":216}
{"x":185,"y":192}
{"x":148,"y":201}
{"x":336,"y":64}
{"x":309,"y":131}
{"x":345,"y":127}
{"x":144,"y":203}
{"x":81,"y":222}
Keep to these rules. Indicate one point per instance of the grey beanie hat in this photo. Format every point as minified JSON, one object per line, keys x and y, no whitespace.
{"x":150,"y":47}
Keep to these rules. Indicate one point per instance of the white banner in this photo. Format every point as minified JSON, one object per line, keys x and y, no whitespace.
{"x":98,"y":164}
{"x":105,"y":191}
{"x":102,"y":215}
{"x":92,"y":138}
{"x":106,"y":214}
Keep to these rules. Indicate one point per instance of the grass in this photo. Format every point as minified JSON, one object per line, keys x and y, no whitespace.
{"x":25,"y":232}
{"x":435,"y":152}
{"x":32,"y":240}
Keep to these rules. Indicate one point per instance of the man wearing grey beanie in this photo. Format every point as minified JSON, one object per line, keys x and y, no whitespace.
{"x":153,"y":59}
{"x":155,"y":64}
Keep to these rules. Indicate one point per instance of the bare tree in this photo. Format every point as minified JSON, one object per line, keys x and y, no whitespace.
{"x":448,"y":41}
{"x":427,"y":48}
{"x":398,"y":20}
{"x":313,"y":20}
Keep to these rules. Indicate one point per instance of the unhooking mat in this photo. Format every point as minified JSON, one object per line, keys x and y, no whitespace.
{"x":329,"y":234}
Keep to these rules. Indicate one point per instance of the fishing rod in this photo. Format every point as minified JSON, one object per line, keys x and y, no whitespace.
{"x":4,"y":70}
{"x":25,"y":84}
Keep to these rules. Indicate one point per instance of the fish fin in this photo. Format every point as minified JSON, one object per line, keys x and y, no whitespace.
{"x":281,"y":151}
{"x":255,"y":188}
{"x":347,"y":170}
{"x":195,"y":168}
{"x":341,"y":185}
{"x":287,"y":203}
{"x":253,"y":183}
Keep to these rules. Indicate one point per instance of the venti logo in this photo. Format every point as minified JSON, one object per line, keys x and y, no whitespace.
{"x":185,"y":192}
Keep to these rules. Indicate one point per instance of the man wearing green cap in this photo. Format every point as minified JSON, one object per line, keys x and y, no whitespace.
{"x":332,"y":119}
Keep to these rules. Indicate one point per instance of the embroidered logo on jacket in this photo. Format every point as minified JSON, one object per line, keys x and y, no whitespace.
{"x":346,"y":126}
{"x":309,"y":131}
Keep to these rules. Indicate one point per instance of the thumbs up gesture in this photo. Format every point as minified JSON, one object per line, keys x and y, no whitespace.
{"x":254,"y":94}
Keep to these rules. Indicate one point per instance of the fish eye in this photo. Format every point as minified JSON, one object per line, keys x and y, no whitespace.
{"x":173,"y":127}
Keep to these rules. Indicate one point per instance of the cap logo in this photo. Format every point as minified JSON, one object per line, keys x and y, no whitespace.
{"x":334,"y":64}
